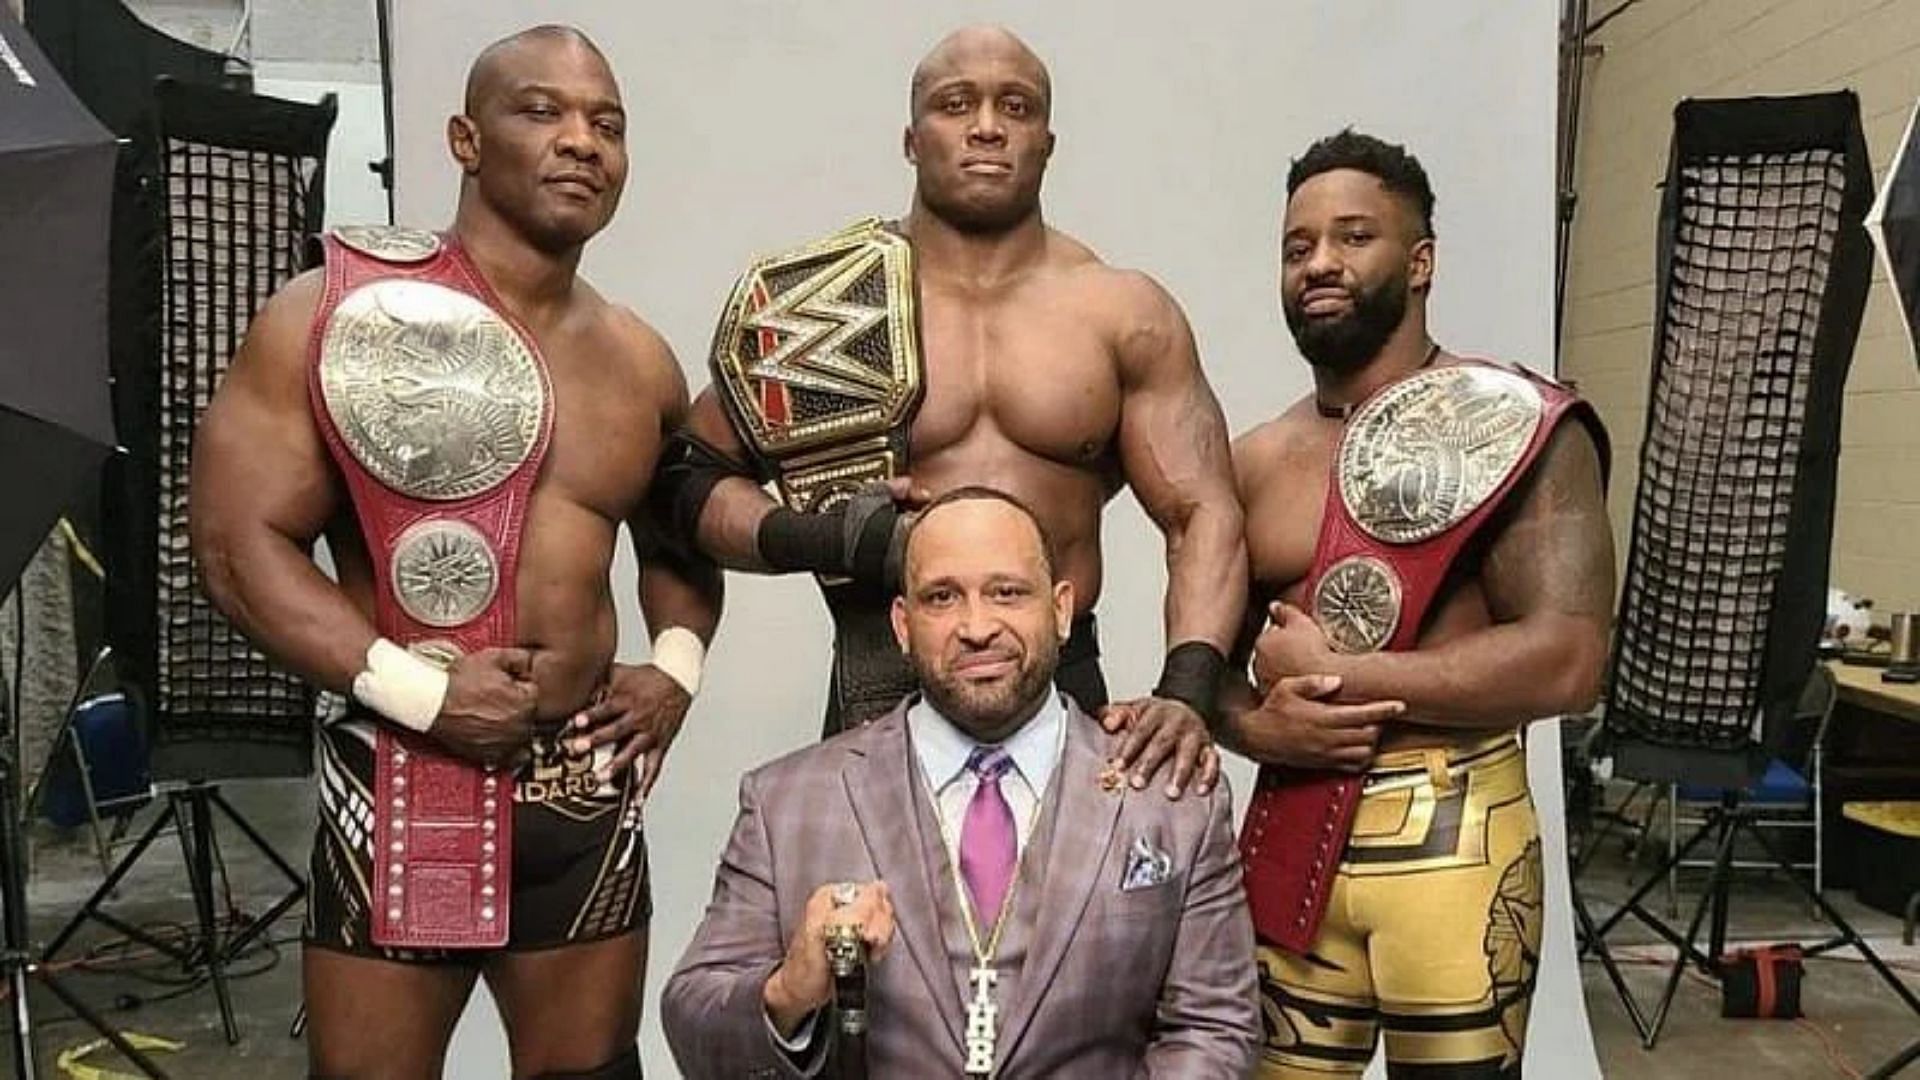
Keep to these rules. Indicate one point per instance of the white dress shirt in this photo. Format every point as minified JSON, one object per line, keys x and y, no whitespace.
{"x":943,"y":749}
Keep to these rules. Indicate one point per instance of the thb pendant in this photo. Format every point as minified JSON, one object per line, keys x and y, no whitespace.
{"x":983,"y":1016}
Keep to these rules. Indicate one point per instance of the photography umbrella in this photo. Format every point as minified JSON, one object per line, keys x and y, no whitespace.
{"x":1894,"y":222}
{"x":56,"y":191}
{"x":56,"y":427}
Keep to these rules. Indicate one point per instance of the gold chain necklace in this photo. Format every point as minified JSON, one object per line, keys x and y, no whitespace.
{"x":983,"y":1013}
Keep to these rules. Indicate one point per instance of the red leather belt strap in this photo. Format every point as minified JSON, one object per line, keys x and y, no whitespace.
{"x":443,"y":828}
{"x":1298,"y":821}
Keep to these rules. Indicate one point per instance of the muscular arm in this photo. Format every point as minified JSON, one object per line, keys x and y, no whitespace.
{"x":676,"y":588}
{"x":261,"y":492}
{"x":1297,"y":722}
{"x":1236,"y":728}
{"x":1548,"y":580}
{"x":730,"y":522}
{"x":1173,"y":451}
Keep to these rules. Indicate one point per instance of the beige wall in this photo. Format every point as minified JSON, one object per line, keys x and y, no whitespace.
{"x":1655,"y":54}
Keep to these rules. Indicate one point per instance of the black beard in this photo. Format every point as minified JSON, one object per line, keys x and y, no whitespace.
{"x":1348,"y":341}
{"x":991,"y":716}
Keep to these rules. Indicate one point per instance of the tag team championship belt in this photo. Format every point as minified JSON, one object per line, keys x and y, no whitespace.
{"x":437,"y":409}
{"x":1421,"y":467}
{"x":817,"y":359}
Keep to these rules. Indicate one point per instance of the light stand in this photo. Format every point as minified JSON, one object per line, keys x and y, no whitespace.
{"x":22,"y":970}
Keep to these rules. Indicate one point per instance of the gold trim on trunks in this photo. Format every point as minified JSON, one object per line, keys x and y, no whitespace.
{"x":818,"y":353}
{"x":431,"y":390}
{"x":1408,"y":823}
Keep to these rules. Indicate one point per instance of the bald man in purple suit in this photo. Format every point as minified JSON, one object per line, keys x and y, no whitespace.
{"x":1024,"y":911}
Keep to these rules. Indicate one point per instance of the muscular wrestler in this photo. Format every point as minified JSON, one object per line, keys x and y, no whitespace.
{"x":1433,"y":927}
{"x":541,"y":147}
{"x":1050,"y":375}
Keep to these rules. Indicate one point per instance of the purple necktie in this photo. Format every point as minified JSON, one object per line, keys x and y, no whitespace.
{"x":987,"y":843}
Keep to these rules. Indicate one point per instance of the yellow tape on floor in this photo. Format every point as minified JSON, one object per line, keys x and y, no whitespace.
{"x":69,"y":1060}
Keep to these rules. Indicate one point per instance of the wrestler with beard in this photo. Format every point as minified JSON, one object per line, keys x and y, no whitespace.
{"x":1433,"y":924}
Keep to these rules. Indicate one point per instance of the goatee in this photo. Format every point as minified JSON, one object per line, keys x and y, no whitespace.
{"x":990,"y":713}
{"x":1345,"y":342}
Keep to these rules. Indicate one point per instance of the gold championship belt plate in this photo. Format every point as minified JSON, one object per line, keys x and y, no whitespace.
{"x":1417,"y":460}
{"x":437,"y":397}
{"x":817,"y":355}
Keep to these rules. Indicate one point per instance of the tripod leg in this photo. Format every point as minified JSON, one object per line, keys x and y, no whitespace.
{"x":98,"y":1023}
{"x":167,"y":816}
{"x":1847,"y":932}
{"x":1731,"y":821}
{"x":1722,"y":861}
{"x":15,"y":953}
{"x":1591,"y":941}
{"x":1632,"y":904}
{"x":298,"y":879}
{"x":199,"y":856}
{"x":24,"y":1066}
{"x":1900,"y":1061}
{"x":292,"y":897}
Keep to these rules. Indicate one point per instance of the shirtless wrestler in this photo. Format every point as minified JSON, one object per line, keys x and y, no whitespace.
{"x":359,"y":367}
{"x":1049,"y":375}
{"x":1432,"y":930}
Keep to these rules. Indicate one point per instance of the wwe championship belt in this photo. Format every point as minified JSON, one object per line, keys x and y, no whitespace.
{"x":437,"y":409}
{"x":1421,"y":467}
{"x":817,"y":359}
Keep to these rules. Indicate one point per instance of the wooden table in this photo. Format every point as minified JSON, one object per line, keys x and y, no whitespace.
{"x":1861,"y":685}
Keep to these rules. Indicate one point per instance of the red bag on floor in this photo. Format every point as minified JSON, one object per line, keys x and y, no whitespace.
{"x":1762,"y":984}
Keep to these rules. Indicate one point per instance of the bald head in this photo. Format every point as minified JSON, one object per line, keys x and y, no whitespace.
{"x":971,"y":44}
{"x":494,"y":69}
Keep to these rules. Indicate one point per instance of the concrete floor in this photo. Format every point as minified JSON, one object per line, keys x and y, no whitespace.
{"x":1853,"y":1021}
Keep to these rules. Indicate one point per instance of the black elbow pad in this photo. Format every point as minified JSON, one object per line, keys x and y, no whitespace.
{"x":689,"y":470}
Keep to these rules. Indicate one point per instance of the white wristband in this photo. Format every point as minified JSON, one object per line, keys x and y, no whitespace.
{"x":680,"y":655}
{"x":400,"y":686}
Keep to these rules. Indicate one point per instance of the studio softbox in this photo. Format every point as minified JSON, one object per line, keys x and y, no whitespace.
{"x":1763,"y":267}
{"x":238,"y":184}
{"x":1895,"y":224}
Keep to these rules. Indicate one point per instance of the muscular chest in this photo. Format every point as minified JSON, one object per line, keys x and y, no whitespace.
{"x":1284,"y":511}
{"x":1030,"y":368}
{"x":1284,"y":515}
{"x":606,"y":432}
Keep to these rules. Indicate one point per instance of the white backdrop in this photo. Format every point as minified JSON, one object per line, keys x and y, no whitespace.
{"x":757,"y":123}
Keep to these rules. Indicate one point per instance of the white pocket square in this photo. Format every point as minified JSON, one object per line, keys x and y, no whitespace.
{"x":1147,"y":866}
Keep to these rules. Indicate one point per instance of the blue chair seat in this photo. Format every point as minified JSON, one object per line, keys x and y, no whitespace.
{"x":1780,"y":784}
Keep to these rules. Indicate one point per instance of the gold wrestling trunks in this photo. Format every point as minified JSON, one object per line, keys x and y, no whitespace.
{"x":1432,"y":931}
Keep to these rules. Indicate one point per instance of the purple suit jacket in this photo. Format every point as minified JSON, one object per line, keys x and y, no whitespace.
{"x":1148,"y":982}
